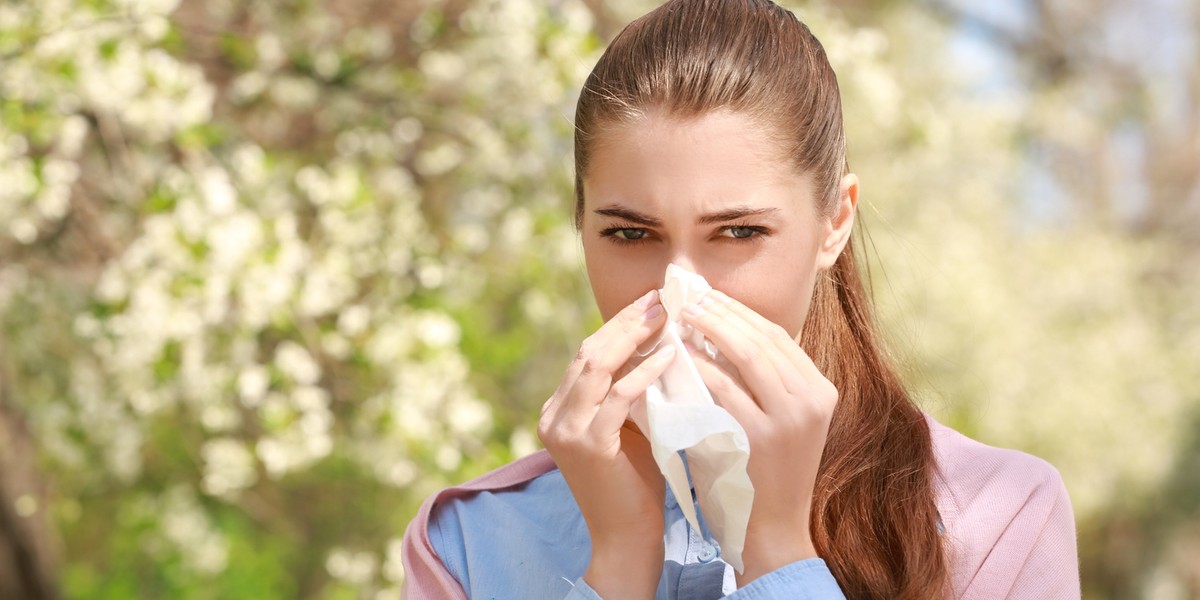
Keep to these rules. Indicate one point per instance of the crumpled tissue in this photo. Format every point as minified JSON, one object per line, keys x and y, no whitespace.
{"x":678,"y":413}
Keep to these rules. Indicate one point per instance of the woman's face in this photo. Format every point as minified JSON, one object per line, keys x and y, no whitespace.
{"x":710,"y":194}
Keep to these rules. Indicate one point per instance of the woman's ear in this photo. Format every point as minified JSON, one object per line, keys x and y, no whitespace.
{"x":840,"y":223}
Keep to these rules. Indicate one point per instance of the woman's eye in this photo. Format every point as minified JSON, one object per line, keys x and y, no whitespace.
{"x":627,"y":235}
{"x":741,"y":232}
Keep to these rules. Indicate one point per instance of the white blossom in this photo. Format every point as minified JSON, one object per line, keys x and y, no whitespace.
{"x":228,"y":467}
{"x":295,"y":361}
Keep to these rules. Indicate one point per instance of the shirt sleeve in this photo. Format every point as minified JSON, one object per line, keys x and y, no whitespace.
{"x":803,"y":580}
{"x":1038,"y":550}
{"x":582,"y":591}
{"x":808,"y":579}
{"x":426,"y":575}
{"x":446,"y":537}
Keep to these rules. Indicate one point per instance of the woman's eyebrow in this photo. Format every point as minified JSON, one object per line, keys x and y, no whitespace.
{"x":620,"y":212}
{"x":732,"y":214}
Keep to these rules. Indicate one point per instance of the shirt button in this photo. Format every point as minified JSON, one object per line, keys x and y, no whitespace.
{"x":707,"y":553}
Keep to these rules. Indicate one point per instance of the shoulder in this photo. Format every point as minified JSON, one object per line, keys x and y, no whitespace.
{"x":525,"y":499}
{"x":1007,"y":517}
{"x":531,"y":489}
{"x":970,"y":471}
{"x":512,"y":477}
{"x":514,"y":473}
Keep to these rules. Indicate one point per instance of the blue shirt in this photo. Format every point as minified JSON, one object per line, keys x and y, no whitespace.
{"x":531,"y":542}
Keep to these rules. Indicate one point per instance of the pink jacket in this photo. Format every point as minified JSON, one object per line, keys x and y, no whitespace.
{"x":1009,"y":528}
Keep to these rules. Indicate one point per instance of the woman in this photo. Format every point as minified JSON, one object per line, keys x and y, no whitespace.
{"x":710,"y":135}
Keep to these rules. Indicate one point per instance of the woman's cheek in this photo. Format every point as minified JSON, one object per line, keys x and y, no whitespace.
{"x":784,"y":303}
{"x":616,"y":283}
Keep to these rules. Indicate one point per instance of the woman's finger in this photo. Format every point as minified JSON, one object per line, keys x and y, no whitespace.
{"x":804,"y":379}
{"x":728,"y":390}
{"x":797,"y":373}
{"x":602,"y":335}
{"x":615,"y":408}
{"x":604,"y":352}
{"x":773,"y":332}
{"x":797,"y":370}
{"x":759,"y":362}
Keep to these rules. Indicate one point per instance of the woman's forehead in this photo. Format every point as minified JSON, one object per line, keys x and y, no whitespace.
{"x":706,"y":127}
{"x":719,"y":162}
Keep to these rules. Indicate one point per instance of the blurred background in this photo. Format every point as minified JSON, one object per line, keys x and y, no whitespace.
{"x":273,"y":272}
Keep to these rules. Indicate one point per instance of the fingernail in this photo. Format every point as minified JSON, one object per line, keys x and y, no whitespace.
{"x":647,"y":299}
{"x":653,"y":313}
{"x":693,"y":310}
{"x":706,"y":301}
{"x":666,"y":352}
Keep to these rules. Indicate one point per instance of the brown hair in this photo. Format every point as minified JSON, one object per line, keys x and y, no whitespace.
{"x":874,"y":518}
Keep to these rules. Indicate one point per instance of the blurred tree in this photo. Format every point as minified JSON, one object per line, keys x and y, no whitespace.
{"x":271,"y":273}
{"x":1108,"y":120}
{"x":27,"y":553}
{"x":242,"y":289}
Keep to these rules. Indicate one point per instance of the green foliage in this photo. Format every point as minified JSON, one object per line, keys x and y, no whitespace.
{"x":273,"y":273}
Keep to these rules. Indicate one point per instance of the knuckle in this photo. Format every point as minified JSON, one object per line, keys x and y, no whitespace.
{"x":723,"y":387}
{"x":586,"y":350}
{"x":549,"y":436}
{"x":749,"y":354}
{"x":547,"y":427}
{"x":593,"y":364}
{"x":779,"y":335}
{"x":826,"y":392}
{"x":805,"y":415}
{"x":558,"y":438}
{"x":574,"y":442}
{"x":630,"y":316}
{"x":591,"y":359}
{"x":621,"y":390}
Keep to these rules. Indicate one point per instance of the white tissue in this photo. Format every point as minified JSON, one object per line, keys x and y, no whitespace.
{"x":678,"y":413}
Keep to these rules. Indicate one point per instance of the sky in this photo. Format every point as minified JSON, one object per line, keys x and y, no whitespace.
{"x":1153,"y":40}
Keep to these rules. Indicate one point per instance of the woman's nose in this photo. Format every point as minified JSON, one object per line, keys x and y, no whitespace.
{"x":685,"y":261}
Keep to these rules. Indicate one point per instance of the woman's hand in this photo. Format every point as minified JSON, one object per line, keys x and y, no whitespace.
{"x":785,"y":405}
{"x":606,"y":462}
